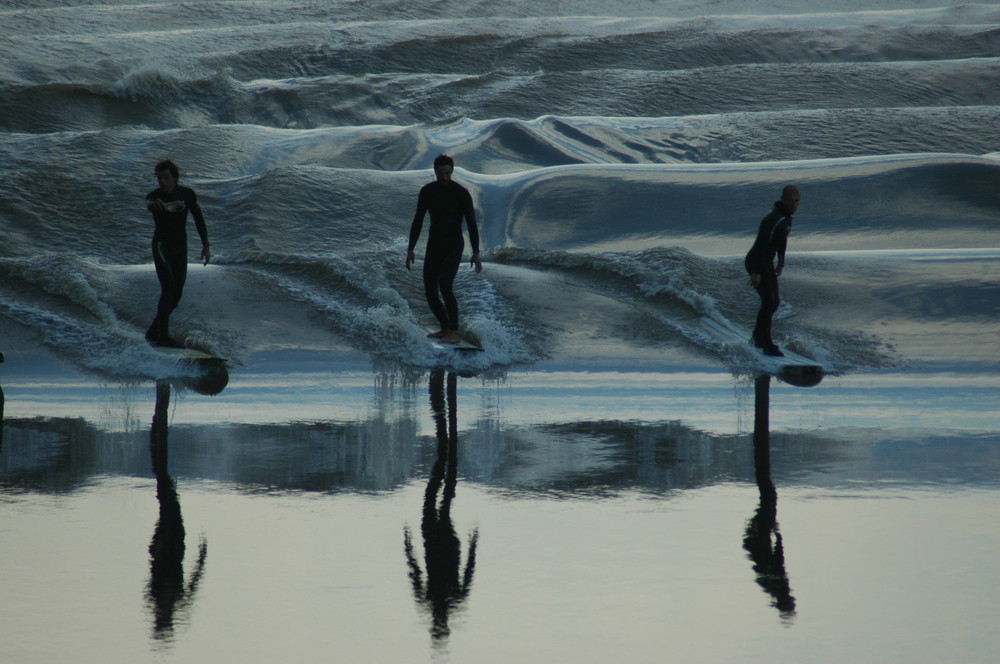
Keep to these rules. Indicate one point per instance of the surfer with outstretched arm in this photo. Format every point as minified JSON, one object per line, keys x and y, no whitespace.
{"x":448,"y":203}
{"x":772,"y":239}
{"x":170,"y":204}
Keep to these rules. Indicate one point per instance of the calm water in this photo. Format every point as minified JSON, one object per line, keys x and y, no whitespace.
{"x":433,"y":517}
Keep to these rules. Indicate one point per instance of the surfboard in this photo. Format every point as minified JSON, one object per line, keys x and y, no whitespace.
{"x":468,"y":344}
{"x":463,"y":346}
{"x":211,"y":374}
{"x":792,"y":368}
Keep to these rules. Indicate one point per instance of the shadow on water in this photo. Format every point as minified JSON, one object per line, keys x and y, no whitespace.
{"x":762,"y":539}
{"x":168,"y":595}
{"x":443,"y":586}
{"x":1,"y":408}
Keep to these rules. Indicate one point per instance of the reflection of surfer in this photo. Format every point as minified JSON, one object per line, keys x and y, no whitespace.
{"x":1,"y":409}
{"x":170,"y":204}
{"x":448,"y":202}
{"x":772,"y":238}
{"x":768,"y":554}
{"x":167,"y":592}
{"x":446,"y":585}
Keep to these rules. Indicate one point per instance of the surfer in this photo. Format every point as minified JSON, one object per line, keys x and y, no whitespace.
{"x":772,"y":238}
{"x":448,"y":202}
{"x":170,"y":204}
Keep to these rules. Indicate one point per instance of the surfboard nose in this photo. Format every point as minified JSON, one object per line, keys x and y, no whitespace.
{"x":802,"y":376}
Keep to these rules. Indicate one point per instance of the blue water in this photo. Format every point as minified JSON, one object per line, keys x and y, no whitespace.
{"x":620,"y":156}
{"x":308,"y":129}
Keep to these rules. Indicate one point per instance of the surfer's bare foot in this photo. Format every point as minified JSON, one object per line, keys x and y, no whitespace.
{"x":437,"y":335}
{"x":452,"y":337}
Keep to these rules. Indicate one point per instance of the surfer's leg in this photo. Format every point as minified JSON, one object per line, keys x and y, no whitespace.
{"x":767,"y":289}
{"x":440,"y":267}
{"x":162,"y":306}
{"x":171,"y":271}
{"x":431,"y":279}
{"x":446,"y":284}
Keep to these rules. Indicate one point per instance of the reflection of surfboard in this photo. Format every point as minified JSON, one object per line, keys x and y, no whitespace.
{"x":188,"y":354}
{"x":793,"y":368}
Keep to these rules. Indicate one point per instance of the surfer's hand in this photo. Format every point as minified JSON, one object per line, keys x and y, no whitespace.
{"x":410,"y":258}
{"x":206,"y":254}
{"x":755,"y":280}
{"x":777,"y":271}
{"x":476,"y":263}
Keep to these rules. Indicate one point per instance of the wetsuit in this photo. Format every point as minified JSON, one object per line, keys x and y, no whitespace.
{"x":170,"y":251}
{"x":772,"y":239}
{"x":448,"y":204}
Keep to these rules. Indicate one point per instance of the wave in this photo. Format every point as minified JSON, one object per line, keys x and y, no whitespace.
{"x":267,"y":190}
{"x":157,"y":97}
{"x":619,"y":163}
{"x":530,"y":305}
{"x":886,"y":202}
{"x":312,"y":73}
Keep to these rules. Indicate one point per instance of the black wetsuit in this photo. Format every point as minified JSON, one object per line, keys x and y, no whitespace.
{"x":170,"y":251}
{"x":772,"y":239}
{"x":448,"y":205}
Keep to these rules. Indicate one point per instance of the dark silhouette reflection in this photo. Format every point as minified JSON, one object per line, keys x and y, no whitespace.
{"x":168,"y":595}
{"x":762,"y":540}
{"x":1,"y":408}
{"x":445,"y":585}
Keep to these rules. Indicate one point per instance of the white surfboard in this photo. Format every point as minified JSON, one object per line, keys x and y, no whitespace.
{"x":793,"y":368}
{"x":468,"y":344}
{"x":463,"y":346}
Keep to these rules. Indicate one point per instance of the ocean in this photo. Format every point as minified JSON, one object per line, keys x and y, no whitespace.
{"x":603,"y":480}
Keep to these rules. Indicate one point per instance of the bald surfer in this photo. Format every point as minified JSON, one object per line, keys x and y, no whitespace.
{"x":448,"y":203}
{"x":772,"y":239}
{"x":170,"y":204}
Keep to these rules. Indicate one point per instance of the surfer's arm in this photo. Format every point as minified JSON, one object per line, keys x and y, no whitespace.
{"x":781,"y":244}
{"x":199,"y":224}
{"x":470,"y":222}
{"x":416,"y":227}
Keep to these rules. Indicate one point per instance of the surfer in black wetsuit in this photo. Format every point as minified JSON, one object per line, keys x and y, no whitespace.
{"x":772,"y":239}
{"x":170,"y":204}
{"x":448,"y":202}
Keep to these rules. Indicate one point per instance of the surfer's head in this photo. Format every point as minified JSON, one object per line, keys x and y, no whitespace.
{"x":790,"y":197}
{"x":444,"y":166}
{"x":167,"y":174}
